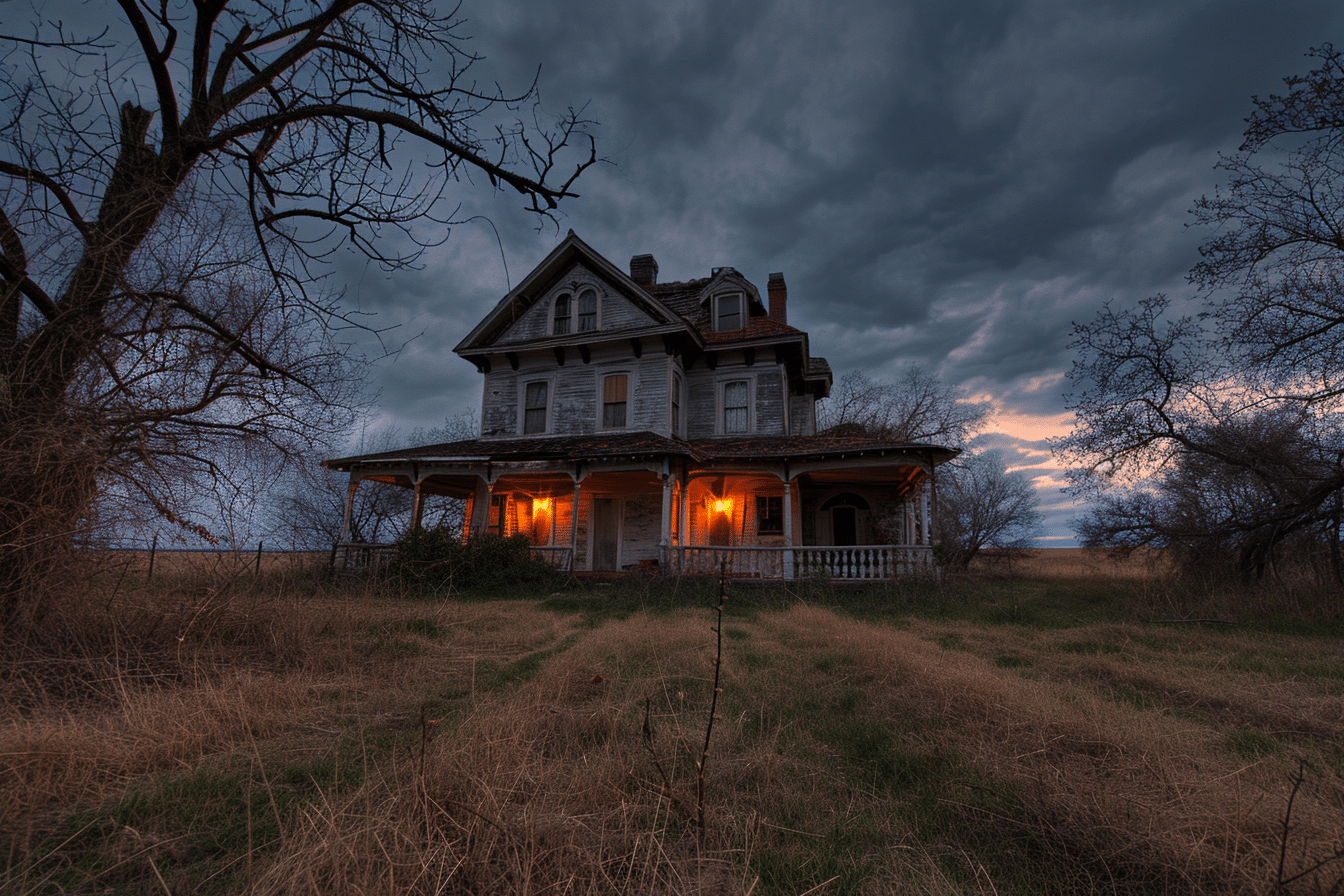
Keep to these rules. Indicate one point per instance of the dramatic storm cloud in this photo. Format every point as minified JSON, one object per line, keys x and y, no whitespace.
{"x":947,"y":184}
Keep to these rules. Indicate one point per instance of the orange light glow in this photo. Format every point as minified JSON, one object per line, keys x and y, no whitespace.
{"x":541,"y":505}
{"x":724,"y":506}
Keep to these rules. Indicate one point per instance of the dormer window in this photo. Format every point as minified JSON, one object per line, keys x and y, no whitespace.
{"x":728,"y":312}
{"x":587,"y":311}
{"x":561,"y":323}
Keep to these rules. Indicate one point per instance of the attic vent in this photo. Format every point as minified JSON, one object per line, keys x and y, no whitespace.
{"x":644,"y":270}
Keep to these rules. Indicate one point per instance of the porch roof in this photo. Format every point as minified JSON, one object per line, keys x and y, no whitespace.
{"x":827,"y":446}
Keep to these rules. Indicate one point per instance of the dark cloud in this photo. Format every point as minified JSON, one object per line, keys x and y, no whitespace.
{"x":951,"y":184}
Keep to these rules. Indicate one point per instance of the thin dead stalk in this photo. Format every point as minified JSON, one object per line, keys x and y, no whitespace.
{"x":713,"y":704}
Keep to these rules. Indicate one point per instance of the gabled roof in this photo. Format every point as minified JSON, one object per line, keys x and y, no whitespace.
{"x":570,"y":252}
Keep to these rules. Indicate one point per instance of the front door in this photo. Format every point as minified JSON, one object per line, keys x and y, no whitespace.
{"x":606,"y":534}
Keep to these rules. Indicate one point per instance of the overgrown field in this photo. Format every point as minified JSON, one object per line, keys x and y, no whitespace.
{"x":1061,"y":726}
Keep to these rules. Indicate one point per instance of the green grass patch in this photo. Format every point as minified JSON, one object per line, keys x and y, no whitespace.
{"x":1090,"y":648}
{"x":1252,"y":745}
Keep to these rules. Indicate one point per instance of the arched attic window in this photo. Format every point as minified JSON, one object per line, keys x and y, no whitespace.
{"x":587,"y":310}
{"x":560,"y":315}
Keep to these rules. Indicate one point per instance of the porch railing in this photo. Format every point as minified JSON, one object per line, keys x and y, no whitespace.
{"x":353,"y":556}
{"x":359,"y":556}
{"x":860,"y":563}
{"x":560,"y":557}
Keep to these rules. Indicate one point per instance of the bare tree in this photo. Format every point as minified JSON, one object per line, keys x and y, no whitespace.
{"x":981,"y":504}
{"x":311,"y":511}
{"x":1248,"y":488}
{"x":916,"y":407}
{"x":167,"y":187}
{"x":1222,"y":432}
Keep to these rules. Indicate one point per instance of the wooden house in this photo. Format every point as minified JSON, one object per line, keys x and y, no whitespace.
{"x":627,"y":423}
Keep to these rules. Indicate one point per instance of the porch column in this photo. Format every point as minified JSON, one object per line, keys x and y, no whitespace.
{"x":788,"y":531}
{"x":684,"y":529}
{"x":908,"y":536}
{"x":480,"y":507}
{"x":666,"y":541}
{"x":574,"y":526}
{"x":349,"y":509}
{"x":417,"y":507}
{"x":925,"y":517}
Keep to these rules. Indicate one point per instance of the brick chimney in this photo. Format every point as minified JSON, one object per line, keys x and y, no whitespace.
{"x":644,"y":270}
{"x":779,"y":298}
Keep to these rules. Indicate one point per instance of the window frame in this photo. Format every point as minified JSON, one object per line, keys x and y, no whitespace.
{"x":524,"y":407}
{"x":676,"y":402}
{"x":721,"y":406}
{"x":718,"y":304}
{"x":592,"y":317}
{"x":763,"y":503}
{"x":558,"y":328}
{"x":602,"y":403}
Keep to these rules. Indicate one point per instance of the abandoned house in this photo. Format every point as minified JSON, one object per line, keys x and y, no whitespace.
{"x":627,"y":423}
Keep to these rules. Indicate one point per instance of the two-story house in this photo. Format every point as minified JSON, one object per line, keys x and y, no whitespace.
{"x":627,"y":422}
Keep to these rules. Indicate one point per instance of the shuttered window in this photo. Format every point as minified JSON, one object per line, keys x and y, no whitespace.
{"x":534,"y":410}
{"x":615,"y":390}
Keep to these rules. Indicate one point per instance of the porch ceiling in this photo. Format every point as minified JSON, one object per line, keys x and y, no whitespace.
{"x":904,"y":476}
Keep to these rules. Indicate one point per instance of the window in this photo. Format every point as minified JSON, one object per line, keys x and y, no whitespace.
{"x":534,"y":408}
{"x":676,"y":404}
{"x":614,"y":391}
{"x":587,"y":311}
{"x":728,"y":312}
{"x":561,"y":325}
{"x":735,"y":410}
{"x":769,"y":516}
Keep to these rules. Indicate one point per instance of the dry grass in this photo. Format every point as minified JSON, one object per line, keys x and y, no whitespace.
{"x":282,"y":735}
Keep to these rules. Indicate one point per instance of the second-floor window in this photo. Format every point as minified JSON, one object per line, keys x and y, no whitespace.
{"x":736,"y":411}
{"x":587,"y":311}
{"x":561,"y":323}
{"x":534,"y":407}
{"x":615,"y":390}
{"x":676,"y":404}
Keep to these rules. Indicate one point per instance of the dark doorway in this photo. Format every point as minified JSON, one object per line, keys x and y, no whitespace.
{"x":606,"y":532}
{"x":844,"y":526}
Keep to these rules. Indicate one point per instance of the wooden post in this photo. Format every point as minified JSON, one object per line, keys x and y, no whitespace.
{"x":153,"y":549}
{"x":259,"y":557}
{"x":788,"y":531}
{"x":574,"y":526}
{"x":666,"y":543}
{"x":417,"y":507}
